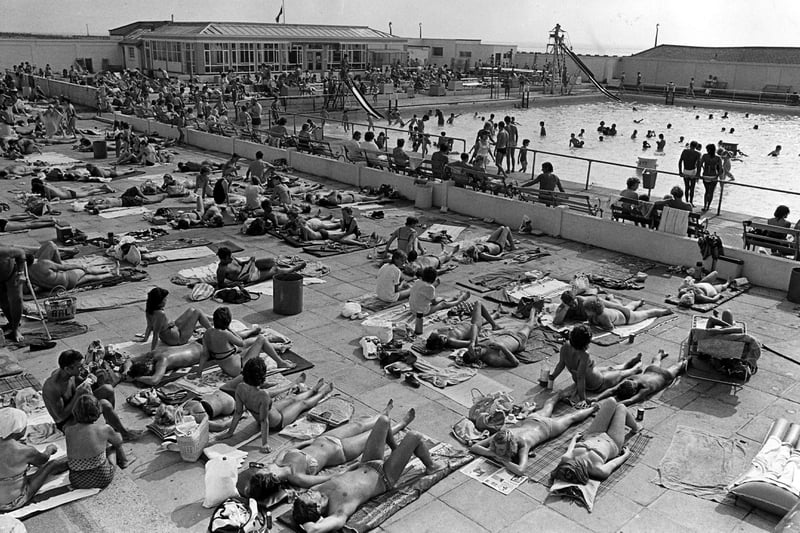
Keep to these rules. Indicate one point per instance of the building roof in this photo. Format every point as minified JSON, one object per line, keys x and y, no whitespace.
{"x":254,"y":30}
{"x":733,"y":54}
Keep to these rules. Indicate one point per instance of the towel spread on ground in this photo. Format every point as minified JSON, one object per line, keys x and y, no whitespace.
{"x":50,"y":158}
{"x":462,"y":393}
{"x":623,"y":267}
{"x":266,"y":288}
{"x":702,"y":464}
{"x":117,"y":212}
{"x":727,"y":294}
{"x":371,"y":302}
{"x":452,"y":231}
{"x":542,"y":288}
{"x":54,"y":493}
{"x":504,"y":277}
{"x":208,"y":273}
{"x":35,"y":333}
{"x":411,"y":485}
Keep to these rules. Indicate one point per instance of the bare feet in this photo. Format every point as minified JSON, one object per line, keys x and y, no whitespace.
{"x":301,"y":378}
{"x":318,"y":385}
{"x":327,"y":389}
{"x":662,"y":355}
{"x":132,"y":435}
{"x":637,"y":304}
{"x":125,"y":463}
{"x":410,"y":416}
{"x":388,"y":408}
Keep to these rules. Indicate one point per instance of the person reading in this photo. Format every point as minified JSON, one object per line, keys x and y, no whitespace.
{"x":596,"y":454}
{"x":300,"y":466}
{"x":512,"y":445}
{"x":328,"y":505}
{"x":17,"y":486}
{"x":269,"y":414}
{"x":640,"y":387}
{"x":575,"y":358}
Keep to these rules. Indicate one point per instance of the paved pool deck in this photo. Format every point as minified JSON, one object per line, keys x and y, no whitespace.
{"x":159,"y":492}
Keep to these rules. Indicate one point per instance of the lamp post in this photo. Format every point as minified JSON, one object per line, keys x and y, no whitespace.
{"x":656,"y":41}
{"x":390,"y":28}
{"x":420,"y":30}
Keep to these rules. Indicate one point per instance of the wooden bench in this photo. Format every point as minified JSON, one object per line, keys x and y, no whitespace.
{"x":323,"y":149}
{"x":395,"y":167}
{"x":375,"y":159}
{"x":767,"y":236}
{"x":697,"y":223}
{"x":715,"y":84}
{"x":479,"y":180}
{"x":636,"y":211}
{"x":776,"y":89}
{"x":575,"y":201}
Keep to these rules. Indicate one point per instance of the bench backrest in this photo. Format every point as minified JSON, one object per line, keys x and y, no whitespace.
{"x":575,"y":201}
{"x":772,"y":237}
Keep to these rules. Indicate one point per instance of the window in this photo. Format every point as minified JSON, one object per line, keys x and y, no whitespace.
{"x":217,"y":57}
{"x":465,"y":54}
{"x":437,"y":51}
{"x":131,"y":52}
{"x":356,"y":55}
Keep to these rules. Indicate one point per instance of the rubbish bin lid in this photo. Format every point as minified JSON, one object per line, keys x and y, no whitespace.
{"x":290,"y":276}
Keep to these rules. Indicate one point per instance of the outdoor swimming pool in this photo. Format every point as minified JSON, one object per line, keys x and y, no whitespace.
{"x":561,"y":120}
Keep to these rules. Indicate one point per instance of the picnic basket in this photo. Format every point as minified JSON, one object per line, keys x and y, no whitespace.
{"x":59,"y":306}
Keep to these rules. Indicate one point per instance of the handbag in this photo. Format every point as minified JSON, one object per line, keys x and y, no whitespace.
{"x":235,"y":295}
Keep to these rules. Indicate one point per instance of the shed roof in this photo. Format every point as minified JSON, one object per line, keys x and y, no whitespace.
{"x":733,"y":54}
{"x":254,"y":30}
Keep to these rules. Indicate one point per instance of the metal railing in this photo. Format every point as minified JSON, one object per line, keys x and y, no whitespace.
{"x":715,"y":93}
{"x":721,"y":182}
{"x":385,"y":129}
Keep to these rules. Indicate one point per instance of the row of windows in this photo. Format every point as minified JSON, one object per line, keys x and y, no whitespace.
{"x":438,"y":51}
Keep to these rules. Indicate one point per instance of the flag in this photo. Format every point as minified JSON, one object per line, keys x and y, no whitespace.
{"x":278,"y":18}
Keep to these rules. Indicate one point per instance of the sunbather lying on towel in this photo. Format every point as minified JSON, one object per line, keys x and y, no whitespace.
{"x":570,"y":308}
{"x":580,"y":365}
{"x":50,"y":191}
{"x":300,"y":466}
{"x":10,"y":225}
{"x":327,"y":506}
{"x":171,"y":333}
{"x":234,"y":271}
{"x":345,"y":232}
{"x":611,"y":312}
{"x":230,"y":350}
{"x":202,"y":216}
{"x":48,"y":271}
{"x":17,"y":488}
{"x":640,"y":387}
{"x":87,"y":442}
{"x":132,"y":197}
{"x":149,"y":369}
{"x":417,"y":263}
{"x":258,"y":401}
{"x":193,"y":166}
{"x":513,"y":444}
{"x":462,"y":335}
{"x":337,"y":198}
{"x":597,"y":453}
{"x":499,"y":348}
{"x":492,"y":249}
{"x":295,"y":221}
{"x":702,"y":292}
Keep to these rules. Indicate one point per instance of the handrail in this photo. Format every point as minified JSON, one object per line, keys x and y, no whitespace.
{"x":385,"y":129}
{"x":722,"y":183}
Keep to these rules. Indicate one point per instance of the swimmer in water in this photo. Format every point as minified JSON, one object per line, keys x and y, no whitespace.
{"x":776,"y":152}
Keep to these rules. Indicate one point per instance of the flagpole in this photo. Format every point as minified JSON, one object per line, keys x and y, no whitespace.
{"x":283,"y":8}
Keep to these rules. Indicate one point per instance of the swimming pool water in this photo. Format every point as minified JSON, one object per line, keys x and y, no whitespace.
{"x":561,"y":120}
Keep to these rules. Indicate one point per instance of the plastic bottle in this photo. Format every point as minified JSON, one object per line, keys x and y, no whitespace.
{"x":544,"y":373}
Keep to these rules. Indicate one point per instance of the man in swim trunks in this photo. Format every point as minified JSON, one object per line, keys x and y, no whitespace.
{"x":249,"y":270}
{"x":337,"y":198}
{"x":462,"y":335}
{"x":149,"y":369}
{"x":417,"y":263}
{"x":328,"y":506}
{"x":610,"y":313}
{"x":62,"y":389}
{"x":12,"y":279}
{"x":492,"y":250}
{"x":499,"y":348}
{"x":640,"y":387}
{"x":48,"y":271}
{"x":17,"y":488}
{"x":512,"y":444}
{"x":575,"y":358}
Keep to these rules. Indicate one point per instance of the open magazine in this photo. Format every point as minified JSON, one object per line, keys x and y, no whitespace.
{"x":493,"y":475}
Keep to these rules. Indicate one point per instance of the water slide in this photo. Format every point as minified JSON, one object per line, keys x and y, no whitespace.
{"x":360,"y":98}
{"x":588,"y":72}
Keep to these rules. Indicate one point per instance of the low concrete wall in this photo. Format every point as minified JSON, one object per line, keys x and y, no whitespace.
{"x":83,"y":95}
{"x":760,"y":269}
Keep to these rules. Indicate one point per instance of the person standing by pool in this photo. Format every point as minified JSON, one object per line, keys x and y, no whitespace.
{"x":500,"y":146}
{"x":639,"y":87}
{"x":711,"y":172}
{"x":688,"y":165}
{"x":690,"y":89}
{"x":513,"y":138}
{"x":547,"y":182}
{"x":622,"y":83}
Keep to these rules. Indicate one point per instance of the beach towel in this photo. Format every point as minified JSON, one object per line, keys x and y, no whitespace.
{"x":266,"y":288}
{"x":504,"y":277}
{"x":118,"y":212}
{"x":674,"y":221}
{"x":434,"y":232}
{"x":412,"y":484}
{"x":371,"y":302}
{"x":50,"y":159}
{"x":54,"y":493}
{"x":623,"y":267}
{"x":727,"y":295}
{"x":701,"y":464}
{"x":546,"y":288}
{"x":35,"y":333}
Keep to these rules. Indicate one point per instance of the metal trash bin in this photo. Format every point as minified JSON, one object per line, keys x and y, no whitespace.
{"x":793,"y":294}
{"x":287,"y":294}
{"x":100,"y":149}
{"x":424,"y":196}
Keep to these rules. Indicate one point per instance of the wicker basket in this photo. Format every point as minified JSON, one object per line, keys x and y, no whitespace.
{"x":59,"y":306}
{"x":192,"y":446}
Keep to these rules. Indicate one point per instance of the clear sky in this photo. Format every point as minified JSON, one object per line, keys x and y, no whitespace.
{"x":593,"y":26}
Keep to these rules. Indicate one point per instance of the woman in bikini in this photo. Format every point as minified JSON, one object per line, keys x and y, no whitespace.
{"x":513,"y":444}
{"x":300,"y":466}
{"x":579,"y":364}
{"x":87,"y":447}
{"x":492,"y":250}
{"x":600,"y":451}
{"x":49,"y":272}
{"x":172,"y":333}
{"x":610,"y":313}
{"x":229,"y":350}
{"x":268,"y":414}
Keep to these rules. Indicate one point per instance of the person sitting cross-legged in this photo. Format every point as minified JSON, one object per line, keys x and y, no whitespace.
{"x":328,"y":505}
